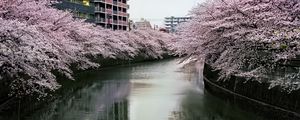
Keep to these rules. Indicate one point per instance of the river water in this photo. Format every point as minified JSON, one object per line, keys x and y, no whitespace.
{"x":147,"y":91}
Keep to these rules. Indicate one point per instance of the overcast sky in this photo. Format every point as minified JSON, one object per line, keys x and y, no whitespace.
{"x":155,"y":10}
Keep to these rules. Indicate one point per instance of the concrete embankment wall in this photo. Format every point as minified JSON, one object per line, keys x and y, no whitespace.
{"x":251,"y":95}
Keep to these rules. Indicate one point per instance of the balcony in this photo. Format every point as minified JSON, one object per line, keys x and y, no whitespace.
{"x":124,"y":23}
{"x":109,"y":11}
{"x":115,"y":21}
{"x":109,"y":1}
{"x":120,"y":22}
{"x":99,"y":20}
{"x":109,"y":21}
{"x":115,"y":12}
{"x":100,"y":9}
{"x":121,"y":5}
{"x":123,"y":14}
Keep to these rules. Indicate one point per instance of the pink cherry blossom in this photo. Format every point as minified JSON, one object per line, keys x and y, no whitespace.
{"x":250,"y":38}
{"x":36,"y":40}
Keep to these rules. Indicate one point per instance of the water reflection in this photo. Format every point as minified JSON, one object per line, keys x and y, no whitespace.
{"x":97,"y":102}
{"x":148,"y":91}
{"x":207,"y":107}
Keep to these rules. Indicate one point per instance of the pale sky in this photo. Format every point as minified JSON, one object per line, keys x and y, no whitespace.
{"x":155,"y":10}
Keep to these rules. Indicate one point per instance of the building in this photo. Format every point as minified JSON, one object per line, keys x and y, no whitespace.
{"x":111,"y":14}
{"x":172,"y":22}
{"x":142,"y":24}
{"x":80,"y":8}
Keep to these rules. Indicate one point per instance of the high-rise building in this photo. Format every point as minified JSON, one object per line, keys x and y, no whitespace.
{"x":172,"y":22}
{"x":111,"y":14}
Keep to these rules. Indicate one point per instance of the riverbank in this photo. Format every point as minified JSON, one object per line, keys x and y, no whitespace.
{"x":255,"y":96}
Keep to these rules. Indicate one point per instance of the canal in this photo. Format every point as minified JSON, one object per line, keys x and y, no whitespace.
{"x":160,"y":90}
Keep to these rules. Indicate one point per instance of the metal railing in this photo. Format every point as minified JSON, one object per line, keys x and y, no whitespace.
{"x":123,"y":22}
{"x":115,"y":21}
{"x":115,"y":11}
{"x":100,"y":20}
{"x":109,"y":21}
{"x":109,"y":11}
{"x":109,"y":1}
{"x":99,"y":0}
{"x":99,"y":9}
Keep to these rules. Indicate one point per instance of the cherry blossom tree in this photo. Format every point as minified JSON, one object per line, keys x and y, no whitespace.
{"x":250,"y":38}
{"x":37,"y":40}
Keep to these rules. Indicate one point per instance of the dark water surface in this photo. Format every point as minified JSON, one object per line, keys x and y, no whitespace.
{"x":148,"y":91}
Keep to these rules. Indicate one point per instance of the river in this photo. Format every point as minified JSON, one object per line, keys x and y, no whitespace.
{"x":146,"y":91}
